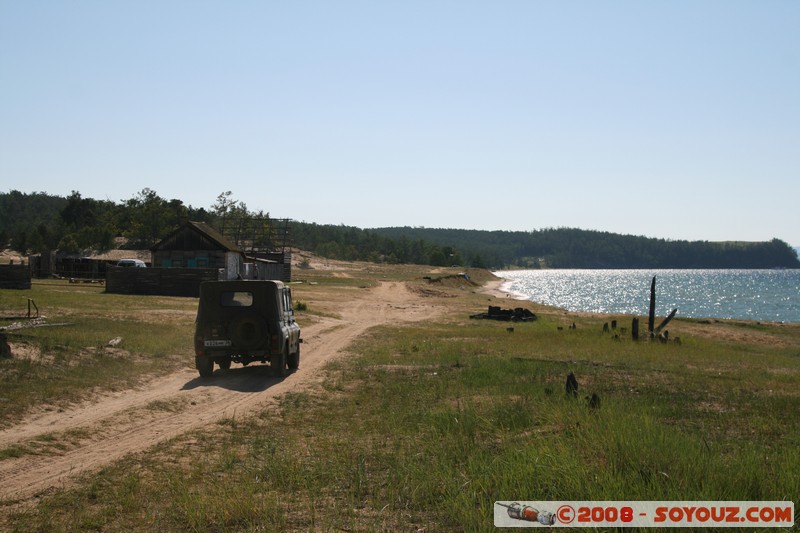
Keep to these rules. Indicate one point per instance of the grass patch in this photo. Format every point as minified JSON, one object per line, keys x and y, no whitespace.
{"x":432,"y":419}
{"x":63,"y":364}
{"x":430,"y":424}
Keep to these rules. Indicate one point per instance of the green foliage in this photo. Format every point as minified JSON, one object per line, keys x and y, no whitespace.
{"x":551,"y":248}
{"x":354,"y":244}
{"x":227,"y":206}
{"x":69,"y":244}
{"x":577,"y":248}
{"x":21,"y":214}
{"x":149,"y":218}
{"x":89,"y":222}
{"x":37,"y":222}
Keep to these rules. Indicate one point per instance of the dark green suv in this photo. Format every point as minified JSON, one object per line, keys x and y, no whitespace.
{"x":243,"y":322}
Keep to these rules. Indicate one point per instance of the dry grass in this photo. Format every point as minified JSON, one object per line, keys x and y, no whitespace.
{"x":427,"y":425}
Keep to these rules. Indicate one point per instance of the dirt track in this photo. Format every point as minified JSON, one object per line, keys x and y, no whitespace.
{"x":116,"y":424}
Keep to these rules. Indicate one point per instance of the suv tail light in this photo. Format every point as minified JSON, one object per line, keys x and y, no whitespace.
{"x":199,"y":348}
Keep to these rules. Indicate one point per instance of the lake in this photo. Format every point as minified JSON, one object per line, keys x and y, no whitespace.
{"x":766,"y":295}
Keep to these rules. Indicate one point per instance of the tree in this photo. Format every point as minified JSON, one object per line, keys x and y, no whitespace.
{"x":226,"y":207}
{"x":79,"y":212}
{"x":437,"y":258}
{"x":21,"y":215}
{"x":19,"y":242}
{"x":69,"y":244}
{"x":150,"y":218}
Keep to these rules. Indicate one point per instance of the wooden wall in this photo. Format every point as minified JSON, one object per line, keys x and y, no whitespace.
{"x":15,"y":277}
{"x":158,"y":281}
{"x":189,"y":259}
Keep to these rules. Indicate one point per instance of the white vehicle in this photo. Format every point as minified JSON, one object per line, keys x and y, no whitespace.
{"x":131,"y":263}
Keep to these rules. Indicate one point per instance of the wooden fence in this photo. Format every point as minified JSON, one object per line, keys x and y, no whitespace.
{"x":15,"y":277}
{"x":281,"y":269}
{"x":158,"y":281}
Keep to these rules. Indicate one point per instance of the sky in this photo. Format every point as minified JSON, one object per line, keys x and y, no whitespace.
{"x":670,"y":119}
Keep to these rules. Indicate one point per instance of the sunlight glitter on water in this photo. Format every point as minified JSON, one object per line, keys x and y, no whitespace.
{"x":770,"y":295}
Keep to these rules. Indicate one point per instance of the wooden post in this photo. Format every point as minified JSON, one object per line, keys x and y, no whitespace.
{"x":666,"y":320}
{"x":5,"y":349}
{"x":652,"y":317}
{"x":635,"y":329}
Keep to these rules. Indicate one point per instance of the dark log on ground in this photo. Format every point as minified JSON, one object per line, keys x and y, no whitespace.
{"x":519,"y":314}
{"x":666,"y":320}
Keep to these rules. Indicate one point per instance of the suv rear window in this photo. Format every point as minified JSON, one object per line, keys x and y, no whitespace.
{"x":236,"y":299}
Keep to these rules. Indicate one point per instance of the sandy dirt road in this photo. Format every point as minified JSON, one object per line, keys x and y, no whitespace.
{"x":113,"y":425}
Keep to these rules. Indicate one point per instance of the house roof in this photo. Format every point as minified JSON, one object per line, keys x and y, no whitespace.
{"x":116,"y":255}
{"x":204,"y":230}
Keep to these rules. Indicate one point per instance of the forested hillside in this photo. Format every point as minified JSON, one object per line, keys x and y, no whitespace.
{"x":35,"y":222}
{"x":577,"y":248}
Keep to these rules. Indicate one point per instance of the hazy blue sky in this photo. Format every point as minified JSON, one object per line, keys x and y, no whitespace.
{"x":674,"y":119}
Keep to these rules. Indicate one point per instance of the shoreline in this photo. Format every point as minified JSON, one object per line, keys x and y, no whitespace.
{"x":739,"y":331}
{"x":588,"y":295}
{"x":493,"y":288}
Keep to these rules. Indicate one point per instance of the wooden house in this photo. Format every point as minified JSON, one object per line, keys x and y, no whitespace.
{"x":198,"y":245}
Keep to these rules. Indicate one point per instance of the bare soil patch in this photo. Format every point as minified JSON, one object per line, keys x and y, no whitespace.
{"x":114,"y":424}
{"x":23,"y":350}
{"x":10,"y":256}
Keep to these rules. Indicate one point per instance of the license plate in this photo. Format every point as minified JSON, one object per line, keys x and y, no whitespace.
{"x":217,"y":343}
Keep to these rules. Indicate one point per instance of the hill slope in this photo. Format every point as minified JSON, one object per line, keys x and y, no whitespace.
{"x":577,"y":248}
